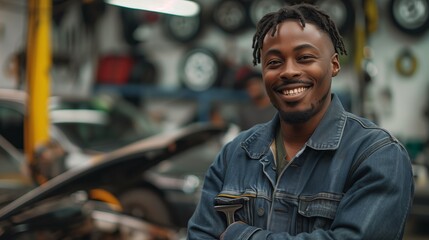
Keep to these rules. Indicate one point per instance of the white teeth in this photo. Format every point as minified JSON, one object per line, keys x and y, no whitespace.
{"x":294,"y":91}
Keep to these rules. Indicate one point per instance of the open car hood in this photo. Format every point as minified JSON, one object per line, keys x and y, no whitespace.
{"x":115,"y":166}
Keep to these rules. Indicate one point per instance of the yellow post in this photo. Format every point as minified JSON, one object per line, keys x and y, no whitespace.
{"x":38,"y":76}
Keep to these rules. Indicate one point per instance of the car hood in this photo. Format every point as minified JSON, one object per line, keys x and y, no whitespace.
{"x":107,"y":169}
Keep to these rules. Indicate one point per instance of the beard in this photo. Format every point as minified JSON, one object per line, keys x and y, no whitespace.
{"x":299,"y":117}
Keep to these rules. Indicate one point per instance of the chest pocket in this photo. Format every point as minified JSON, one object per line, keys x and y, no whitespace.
{"x":317,"y":211}
{"x":239,"y":207}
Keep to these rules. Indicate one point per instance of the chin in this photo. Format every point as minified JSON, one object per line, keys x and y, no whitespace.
{"x":297,"y":117}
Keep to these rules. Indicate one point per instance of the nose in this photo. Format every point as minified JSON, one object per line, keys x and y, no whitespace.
{"x":291,"y":70}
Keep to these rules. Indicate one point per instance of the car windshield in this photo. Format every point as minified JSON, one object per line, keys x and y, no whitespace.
{"x":8,"y":164}
{"x":101,"y":123}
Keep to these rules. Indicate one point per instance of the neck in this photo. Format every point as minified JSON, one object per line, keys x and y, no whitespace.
{"x":296,"y":134}
{"x":299,"y":133}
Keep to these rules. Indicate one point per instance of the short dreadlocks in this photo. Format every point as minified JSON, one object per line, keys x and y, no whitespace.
{"x":303,"y":12}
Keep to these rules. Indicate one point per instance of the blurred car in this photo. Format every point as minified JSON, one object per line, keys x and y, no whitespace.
{"x":167,"y":194}
{"x":14,"y":178}
{"x":64,"y":207}
{"x":66,"y":199}
{"x":181,"y":175}
{"x":82,"y":126}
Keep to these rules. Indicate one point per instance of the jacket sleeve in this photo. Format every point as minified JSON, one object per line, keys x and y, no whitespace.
{"x":206,"y":223}
{"x":374,"y":207}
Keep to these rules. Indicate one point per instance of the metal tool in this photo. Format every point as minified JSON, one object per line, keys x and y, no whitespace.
{"x":229,"y":211}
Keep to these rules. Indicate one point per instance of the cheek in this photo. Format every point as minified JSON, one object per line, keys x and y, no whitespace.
{"x":269,"y":77}
{"x":323,"y":74}
{"x":268,"y":87}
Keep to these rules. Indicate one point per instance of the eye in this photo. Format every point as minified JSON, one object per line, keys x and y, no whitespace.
{"x":306,"y":58}
{"x":273,"y":62}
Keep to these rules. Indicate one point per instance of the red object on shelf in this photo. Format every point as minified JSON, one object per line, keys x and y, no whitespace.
{"x":114,"y":69}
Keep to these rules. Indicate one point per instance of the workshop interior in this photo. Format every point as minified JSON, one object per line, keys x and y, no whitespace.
{"x":112,"y":110}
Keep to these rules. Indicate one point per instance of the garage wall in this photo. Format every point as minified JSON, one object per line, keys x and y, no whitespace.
{"x":396,"y":102}
{"x":404,"y":112}
{"x":12,"y":35}
{"x":232,"y":49}
{"x":168,"y":52}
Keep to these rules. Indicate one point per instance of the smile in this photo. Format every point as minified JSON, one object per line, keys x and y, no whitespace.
{"x":295,"y":91}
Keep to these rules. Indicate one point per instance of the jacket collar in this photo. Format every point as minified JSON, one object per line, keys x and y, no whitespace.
{"x":327,"y":135}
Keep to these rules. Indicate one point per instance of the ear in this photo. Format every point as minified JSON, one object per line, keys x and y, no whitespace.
{"x":335,"y":64}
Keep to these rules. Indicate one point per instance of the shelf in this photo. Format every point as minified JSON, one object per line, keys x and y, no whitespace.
{"x":205,"y":99}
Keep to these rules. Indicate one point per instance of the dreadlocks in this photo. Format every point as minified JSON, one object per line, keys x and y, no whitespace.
{"x":304,"y":13}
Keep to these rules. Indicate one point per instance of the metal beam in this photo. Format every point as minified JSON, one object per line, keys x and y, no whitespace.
{"x":38,"y":76}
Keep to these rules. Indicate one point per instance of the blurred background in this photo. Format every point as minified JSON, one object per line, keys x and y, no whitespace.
{"x":192,"y":63}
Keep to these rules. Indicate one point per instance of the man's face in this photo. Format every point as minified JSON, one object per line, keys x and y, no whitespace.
{"x":297,"y":66}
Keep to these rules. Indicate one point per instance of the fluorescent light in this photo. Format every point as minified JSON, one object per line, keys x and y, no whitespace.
{"x":175,"y":7}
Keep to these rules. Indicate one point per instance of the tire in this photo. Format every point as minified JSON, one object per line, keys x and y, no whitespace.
{"x":146,"y":204}
{"x":415,"y":24}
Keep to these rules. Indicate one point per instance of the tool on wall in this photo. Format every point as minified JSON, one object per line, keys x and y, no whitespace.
{"x":183,"y":29}
{"x":92,"y":11}
{"x":342,"y":12}
{"x":410,"y":16}
{"x":406,"y":62}
{"x":200,"y":69}
{"x":258,"y":8}
{"x":230,"y":16}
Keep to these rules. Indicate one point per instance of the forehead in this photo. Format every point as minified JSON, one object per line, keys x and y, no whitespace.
{"x":292,"y":29}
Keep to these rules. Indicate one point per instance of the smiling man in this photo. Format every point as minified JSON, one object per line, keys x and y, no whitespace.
{"x":314,"y":171}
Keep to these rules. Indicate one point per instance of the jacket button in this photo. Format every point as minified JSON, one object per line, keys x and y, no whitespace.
{"x":261,"y":212}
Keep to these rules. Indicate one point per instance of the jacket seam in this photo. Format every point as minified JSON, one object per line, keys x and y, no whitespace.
{"x":404,"y":218}
{"x":365,"y":155}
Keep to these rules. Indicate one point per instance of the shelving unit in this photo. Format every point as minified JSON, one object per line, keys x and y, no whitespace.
{"x":204,"y":99}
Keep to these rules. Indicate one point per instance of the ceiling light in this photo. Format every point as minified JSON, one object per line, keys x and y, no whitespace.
{"x":174,"y":7}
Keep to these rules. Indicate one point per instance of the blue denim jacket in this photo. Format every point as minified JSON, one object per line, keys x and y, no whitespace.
{"x":352,"y":180}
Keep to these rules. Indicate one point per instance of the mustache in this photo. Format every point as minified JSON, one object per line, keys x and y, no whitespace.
{"x":294,"y":81}
{"x":285,"y":82}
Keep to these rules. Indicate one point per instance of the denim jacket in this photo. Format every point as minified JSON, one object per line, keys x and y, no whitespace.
{"x":351,"y":180}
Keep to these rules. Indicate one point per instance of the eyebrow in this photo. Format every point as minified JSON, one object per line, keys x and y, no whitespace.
{"x":305,"y":46}
{"x":298,"y":48}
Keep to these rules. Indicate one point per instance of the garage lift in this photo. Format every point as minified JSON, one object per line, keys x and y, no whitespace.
{"x":38,"y":77}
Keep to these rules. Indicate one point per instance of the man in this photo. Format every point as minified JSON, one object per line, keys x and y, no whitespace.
{"x":259,"y":109}
{"x":314,"y":171}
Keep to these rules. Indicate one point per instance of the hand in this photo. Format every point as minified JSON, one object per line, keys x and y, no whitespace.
{"x":223,"y":234}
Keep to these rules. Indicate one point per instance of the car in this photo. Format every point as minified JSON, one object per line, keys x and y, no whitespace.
{"x":14,"y":177}
{"x":64,"y":198}
{"x":81,"y":125}
{"x":63,"y":206}
{"x":167,"y":194}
